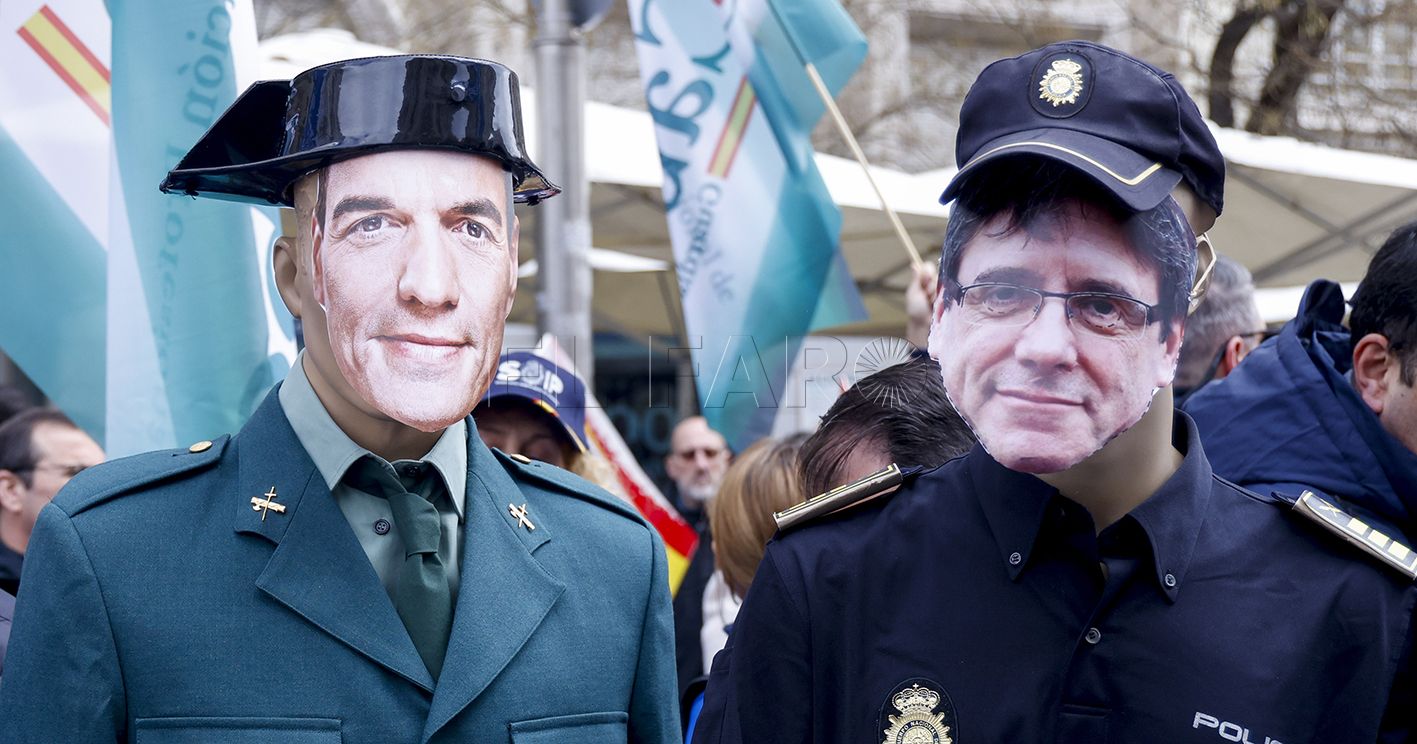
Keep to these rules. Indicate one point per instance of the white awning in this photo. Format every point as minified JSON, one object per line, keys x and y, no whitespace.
{"x":1294,"y":211}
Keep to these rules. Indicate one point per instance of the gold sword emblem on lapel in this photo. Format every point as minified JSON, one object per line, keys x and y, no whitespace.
{"x":267,"y":504}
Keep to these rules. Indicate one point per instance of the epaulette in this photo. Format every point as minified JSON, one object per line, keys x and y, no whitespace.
{"x":95,"y":485}
{"x":1356,"y":532}
{"x":850,"y":495}
{"x":564,"y":481}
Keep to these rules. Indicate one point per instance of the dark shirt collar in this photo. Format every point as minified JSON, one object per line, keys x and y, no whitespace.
{"x":1016,"y":504}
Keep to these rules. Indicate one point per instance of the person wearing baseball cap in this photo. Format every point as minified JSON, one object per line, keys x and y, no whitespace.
{"x":1081,"y":575}
{"x":536,"y":409}
{"x":354,"y":565}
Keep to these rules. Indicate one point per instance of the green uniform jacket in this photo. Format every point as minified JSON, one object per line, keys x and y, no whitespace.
{"x":160,"y":607}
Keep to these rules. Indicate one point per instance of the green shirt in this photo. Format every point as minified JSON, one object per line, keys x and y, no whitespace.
{"x":333,"y":452}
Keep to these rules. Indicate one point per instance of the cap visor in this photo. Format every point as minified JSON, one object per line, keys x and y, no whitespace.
{"x":1138,"y":181}
{"x":228,"y":160}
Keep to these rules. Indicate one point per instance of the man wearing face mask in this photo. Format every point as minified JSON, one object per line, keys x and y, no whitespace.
{"x":1082,"y":576}
{"x":354,"y":565}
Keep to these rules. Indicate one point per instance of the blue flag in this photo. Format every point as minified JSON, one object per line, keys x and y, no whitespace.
{"x":754,"y":230}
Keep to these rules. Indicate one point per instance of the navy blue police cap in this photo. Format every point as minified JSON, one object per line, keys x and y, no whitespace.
{"x":1125,"y":123}
{"x":279,"y":130}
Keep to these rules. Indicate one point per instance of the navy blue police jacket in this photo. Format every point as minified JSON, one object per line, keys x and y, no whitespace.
{"x":977,"y":604}
{"x":1289,"y":420}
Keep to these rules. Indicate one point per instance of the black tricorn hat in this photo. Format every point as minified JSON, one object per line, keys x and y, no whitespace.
{"x":279,"y":130}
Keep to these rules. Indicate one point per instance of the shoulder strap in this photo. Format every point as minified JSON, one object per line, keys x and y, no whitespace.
{"x":871,"y":487}
{"x":108,"y":480}
{"x":1358,"y":533}
{"x":556,"y":479}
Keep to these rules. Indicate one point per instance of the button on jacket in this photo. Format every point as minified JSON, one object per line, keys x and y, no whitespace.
{"x":980,"y":599}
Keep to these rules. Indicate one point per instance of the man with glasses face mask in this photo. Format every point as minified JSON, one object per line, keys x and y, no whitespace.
{"x":40,"y":450}
{"x":1082,"y":576}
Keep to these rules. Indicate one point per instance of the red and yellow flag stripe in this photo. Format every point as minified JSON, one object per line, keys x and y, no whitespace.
{"x":728,"y":142}
{"x":71,"y":60}
{"x":679,"y":538}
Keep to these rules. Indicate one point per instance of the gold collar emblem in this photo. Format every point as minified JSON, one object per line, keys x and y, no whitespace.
{"x":918,"y":723}
{"x":1061,"y":84}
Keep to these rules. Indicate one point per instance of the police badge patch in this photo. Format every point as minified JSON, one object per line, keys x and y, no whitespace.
{"x":1061,"y":85}
{"x":923,"y":714}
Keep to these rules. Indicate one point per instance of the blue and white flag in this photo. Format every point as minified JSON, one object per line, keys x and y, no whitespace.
{"x":150,"y":319}
{"x":754,"y":230}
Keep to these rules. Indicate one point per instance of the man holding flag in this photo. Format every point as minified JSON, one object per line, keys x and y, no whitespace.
{"x":354,"y":565}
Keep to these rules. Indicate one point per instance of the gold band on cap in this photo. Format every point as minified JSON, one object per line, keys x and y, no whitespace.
{"x":1133,"y":181}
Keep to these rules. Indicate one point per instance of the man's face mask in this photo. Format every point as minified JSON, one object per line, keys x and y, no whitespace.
{"x":415,"y":268}
{"x":1054,"y":336}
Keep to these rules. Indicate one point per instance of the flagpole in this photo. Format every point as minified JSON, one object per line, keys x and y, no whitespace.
{"x":846,"y":134}
{"x":841,"y":126}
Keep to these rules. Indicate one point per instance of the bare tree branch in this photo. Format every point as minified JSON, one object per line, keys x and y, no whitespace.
{"x":1301,"y":37}
{"x":1222,"y":61}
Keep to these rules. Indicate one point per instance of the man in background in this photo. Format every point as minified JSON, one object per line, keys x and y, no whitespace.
{"x":40,"y":450}
{"x":1222,"y":331}
{"x":698,"y":457}
{"x":1321,"y":408}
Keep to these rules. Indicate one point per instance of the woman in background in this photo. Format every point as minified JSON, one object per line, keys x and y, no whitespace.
{"x":761,"y":481}
{"x":536,"y":409}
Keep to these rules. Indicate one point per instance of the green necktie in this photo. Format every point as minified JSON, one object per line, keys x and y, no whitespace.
{"x":423,"y":598}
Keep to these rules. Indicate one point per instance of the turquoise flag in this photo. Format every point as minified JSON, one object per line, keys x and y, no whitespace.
{"x":186,"y":303}
{"x":754,"y":230}
{"x":52,"y":292}
{"x":151,"y":320}
{"x":776,"y":40}
{"x":54,"y":152}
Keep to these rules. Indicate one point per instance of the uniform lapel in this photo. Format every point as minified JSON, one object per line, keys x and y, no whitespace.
{"x":317,"y":569}
{"x":505,"y":592}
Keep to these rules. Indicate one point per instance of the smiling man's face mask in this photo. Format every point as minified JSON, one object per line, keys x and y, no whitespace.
{"x":1058,"y":321}
{"x":414,"y":264}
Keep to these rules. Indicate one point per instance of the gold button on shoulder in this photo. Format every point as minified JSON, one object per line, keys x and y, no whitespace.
{"x":523,"y":459}
{"x":201,"y":446}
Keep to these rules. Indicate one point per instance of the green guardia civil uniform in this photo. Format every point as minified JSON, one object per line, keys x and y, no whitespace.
{"x":164,"y":605}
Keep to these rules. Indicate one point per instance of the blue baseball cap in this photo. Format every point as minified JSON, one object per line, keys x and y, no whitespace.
{"x":1125,"y":123}
{"x":555,"y":391}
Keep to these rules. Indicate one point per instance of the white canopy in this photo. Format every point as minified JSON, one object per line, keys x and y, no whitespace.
{"x":1294,"y":211}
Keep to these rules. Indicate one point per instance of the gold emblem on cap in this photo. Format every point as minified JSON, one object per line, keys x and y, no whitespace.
{"x":1061,"y":84}
{"x":918,"y":723}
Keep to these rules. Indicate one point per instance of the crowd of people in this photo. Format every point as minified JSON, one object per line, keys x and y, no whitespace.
{"x":1103,"y":502}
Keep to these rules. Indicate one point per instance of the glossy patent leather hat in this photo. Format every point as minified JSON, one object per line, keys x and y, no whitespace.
{"x":279,"y":130}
